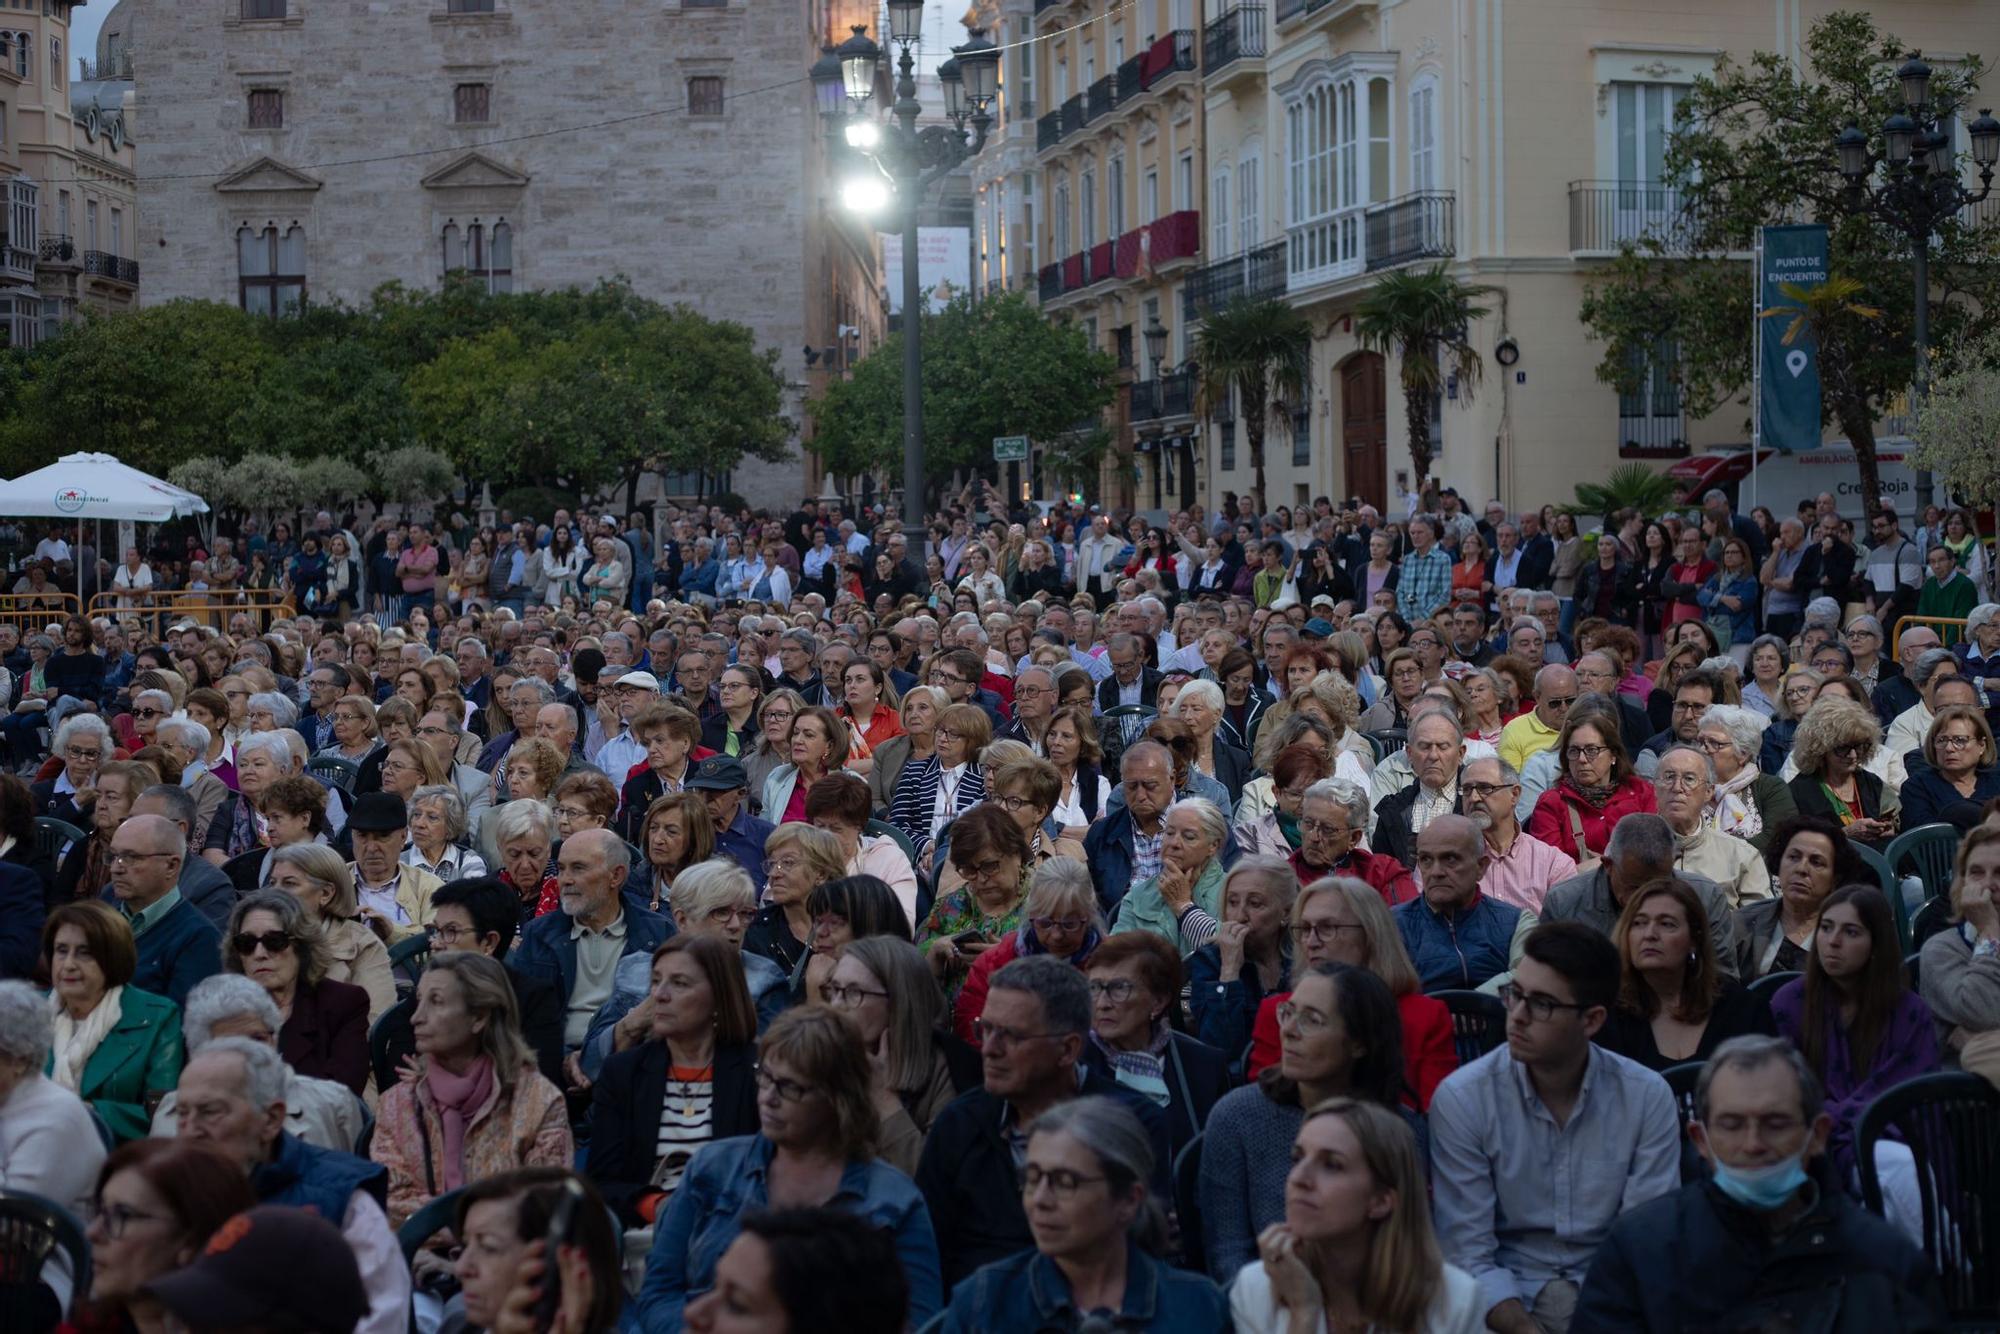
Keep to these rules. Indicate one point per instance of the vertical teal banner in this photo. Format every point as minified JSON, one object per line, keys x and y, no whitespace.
{"x":1788,"y":374}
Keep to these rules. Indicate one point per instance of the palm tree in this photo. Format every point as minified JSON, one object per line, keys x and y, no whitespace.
{"x":1259,"y":351}
{"x":1844,"y":331}
{"x":1423,"y":316}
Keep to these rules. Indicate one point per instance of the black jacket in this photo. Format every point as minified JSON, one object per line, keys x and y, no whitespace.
{"x":625,"y":1117}
{"x":1624,"y":597}
{"x":1393,"y":837}
{"x":22,"y":909}
{"x":1197,"y":1075}
{"x":1697,"y":1261}
{"x":1149,"y":690}
{"x":968,"y":1179}
{"x":1538,"y":562}
{"x":62,"y":807}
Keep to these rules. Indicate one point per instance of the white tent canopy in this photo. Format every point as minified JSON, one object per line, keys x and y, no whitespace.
{"x":96,"y":486}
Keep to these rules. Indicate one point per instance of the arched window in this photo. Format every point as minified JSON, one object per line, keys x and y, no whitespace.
{"x":481,"y":250}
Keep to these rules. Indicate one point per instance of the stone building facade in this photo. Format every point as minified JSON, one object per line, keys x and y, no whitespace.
{"x":313,"y":150}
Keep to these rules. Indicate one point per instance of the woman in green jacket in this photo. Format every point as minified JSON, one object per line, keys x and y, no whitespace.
{"x":116,"y":1047}
{"x":1183,"y":902}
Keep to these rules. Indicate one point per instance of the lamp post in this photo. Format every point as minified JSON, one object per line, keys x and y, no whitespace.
{"x":1918,"y":189}
{"x":1156,"y":345}
{"x":903,"y":161}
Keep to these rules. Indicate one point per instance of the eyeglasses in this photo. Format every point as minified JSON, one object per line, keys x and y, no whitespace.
{"x":117,"y":1217}
{"x":1306,"y":1021}
{"x":1557,"y":701}
{"x":149,"y":713}
{"x":1539,"y":1006}
{"x":788,"y":1090}
{"x":985,"y":870}
{"x":1679,"y":782}
{"x":1043,"y":924}
{"x":1586,"y":753}
{"x":1318,"y":932}
{"x":1957,"y":742}
{"x":1062,"y":1183}
{"x":1692,"y":706}
{"x":1481,"y":791}
{"x":1851,"y":749}
{"x":117,"y":857}
{"x":82,"y":753}
{"x":277,"y":942}
{"x":1322,"y":829}
{"x":1008,"y":803}
{"x":1711,"y":745}
{"x":847,"y":997}
{"x":998,"y":1036}
{"x":1118,"y":990}
{"x":433,"y":731}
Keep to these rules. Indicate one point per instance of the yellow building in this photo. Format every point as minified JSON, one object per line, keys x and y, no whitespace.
{"x":1301,"y":147}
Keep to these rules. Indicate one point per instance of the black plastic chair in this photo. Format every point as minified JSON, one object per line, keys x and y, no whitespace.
{"x":32,"y":1230}
{"x":53,"y":835}
{"x":1767,"y":985}
{"x":1187,"y":1206}
{"x":1388,"y":741}
{"x":334,"y":770}
{"x":1683,"y":1079}
{"x":1478,"y":1022}
{"x":407,"y":959}
{"x":1928,"y":851}
{"x":1912,"y":969}
{"x":427,"y":1222}
{"x":1934,"y":916}
{"x":1951,"y":1125}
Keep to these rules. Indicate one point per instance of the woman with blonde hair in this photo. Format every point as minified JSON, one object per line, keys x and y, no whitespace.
{"x":1250,"y":957}
{"x":798,"y":858}
{"x":1060,"y":918}
{"x":532,"y":769}
{"x":1356,"y":1249}
{"x":1340,"y":919}
{"x":1960,"y":968}
{"x":773,"y":747}
{"x":477,"y":1106}
{"x":1832,"y":747}
{"x":314,"y":874}
{"x":818,"y":747}
{"x":915,"y":742}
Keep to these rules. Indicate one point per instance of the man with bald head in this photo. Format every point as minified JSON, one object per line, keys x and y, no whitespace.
{"x":1456,"y":936}
{"x":579,"y":945}
{"x":1900,"y":692}
{"x":1536,"y":730}
{"x":177,"y":946}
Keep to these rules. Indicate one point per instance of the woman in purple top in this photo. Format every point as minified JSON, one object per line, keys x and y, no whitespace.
{"x":1853,"y":1016}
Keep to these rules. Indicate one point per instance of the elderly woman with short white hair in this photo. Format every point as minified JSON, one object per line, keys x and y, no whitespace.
{"x":262,"y":758}
{"x":438,"y":830}
{"x":321,"y":1112}
{"x":1200,"y":705}
{"x":82,"y":743}
{"x":1748,"y":803}
{"x":1183,"y":902}
{"x":270,"y":711}
{"x":1979,"y":652}
{"x":49,"y":1146}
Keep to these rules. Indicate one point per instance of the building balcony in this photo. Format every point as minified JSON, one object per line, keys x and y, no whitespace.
{"x":1165,"y":398}
{"x":1161,"y":245}
{"x":1172,"y":55}
{"x":1417,"y":226}
{"x":1048,"y":131}
{"x":1235,"y":43}
{"x":1656,"y":430}
{"x":1100,"y":98}
{"x":17,"y":262}
{"x":1041,"y":5}
{"x":113,"y":268}
{"x":1364,"y":239}
{"x":1288,"y":10}
{"x":1606,"y":216}
{"x":1048,"y":285}
{"x":1130,"y":78}
{"x":58,"y":251}
{"x":1254,"y":275}
{"x":1072,"y":115}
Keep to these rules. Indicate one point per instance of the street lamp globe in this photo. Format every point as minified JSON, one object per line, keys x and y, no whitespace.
{"x":953,"y":85}
{"x":865,"y":194}
{"x":906,"y":20}
{"x":1156,"y":343}
{"x":1899,"y":138}
{"x":979,"y":65}
{"x":1852,"y":146}
{"x":863,"y":134}
{"x":1985,"y":136}
{"x":860,"y":58}
{"x":1915,"y":77}
{"x":829,"y":89}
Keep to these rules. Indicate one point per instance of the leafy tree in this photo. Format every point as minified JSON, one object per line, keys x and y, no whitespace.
{"x":1630,"y":485}
{"x":1752,"y":144}
{"x":991,"y":367}
{"x":1423,"y":317}
{"x":1957,"y":427}
{"x":154,"y":387}
{"x":410,"y":470}
{"x":1259,"y":353}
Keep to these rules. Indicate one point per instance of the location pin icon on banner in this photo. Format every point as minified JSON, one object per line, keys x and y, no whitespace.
{"x":1795,"y":362}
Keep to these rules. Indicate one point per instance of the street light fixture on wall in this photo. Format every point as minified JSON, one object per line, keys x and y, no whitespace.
{"x":1918,"y":189}
{"x":903,"y":161}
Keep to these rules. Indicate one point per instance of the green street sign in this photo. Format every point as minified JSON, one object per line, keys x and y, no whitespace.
{"x":1010,"y":449}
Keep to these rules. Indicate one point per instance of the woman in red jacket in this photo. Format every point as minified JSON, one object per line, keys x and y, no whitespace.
{"x":1344,"y":920}
{"x":1060,"y":918}
{"x":1596,"y":789}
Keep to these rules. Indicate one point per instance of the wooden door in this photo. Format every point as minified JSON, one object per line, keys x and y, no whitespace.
{"x":1364,"y":428}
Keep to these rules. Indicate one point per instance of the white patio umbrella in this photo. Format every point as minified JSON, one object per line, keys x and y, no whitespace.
{"x":96,"y":486}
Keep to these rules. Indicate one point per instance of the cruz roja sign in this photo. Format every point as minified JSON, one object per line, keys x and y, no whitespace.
{"x":1010,"y":449}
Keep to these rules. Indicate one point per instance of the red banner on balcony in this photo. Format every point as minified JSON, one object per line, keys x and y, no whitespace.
{"x":1103,"y":261}
{"x":1073,"y":272}
{"x":1159,"y":58}
{"x":1176,"y":236}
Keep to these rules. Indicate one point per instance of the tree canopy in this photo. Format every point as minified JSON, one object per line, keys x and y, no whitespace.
{"x":992,"y":367}
{"x":1753,"y":144}
{"x":582,"y":389}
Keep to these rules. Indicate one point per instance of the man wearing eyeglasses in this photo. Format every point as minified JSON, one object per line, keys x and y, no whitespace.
{"x":1034,"y":706}
{"x":1333,"y":817}
{"x":1539,"y":1146}
{"x":1683,"y":786}
{"x":1767,"y":1240}
{"x":1536,"y":730}
{"x":1519,"y":867}
{"x":1899,"y":691}
{"x":177,"y":946}
{"x":1456,"y":936}
{"x":1597,"y":673}
{"x":1698,"y":691}
{"x":1031,"y":1039}
{"x":1641,"y":849}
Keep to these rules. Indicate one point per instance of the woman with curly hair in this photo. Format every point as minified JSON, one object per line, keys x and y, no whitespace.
{"x":1832,"y":747}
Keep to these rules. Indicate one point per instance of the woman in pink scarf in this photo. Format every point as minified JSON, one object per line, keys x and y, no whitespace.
{"x":471,"y":1105}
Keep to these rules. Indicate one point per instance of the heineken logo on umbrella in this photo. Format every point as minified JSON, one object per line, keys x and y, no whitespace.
{"x":70,"y":499}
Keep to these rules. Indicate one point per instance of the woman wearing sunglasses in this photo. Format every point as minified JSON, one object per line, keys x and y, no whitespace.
{"x":325,"y":1033}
